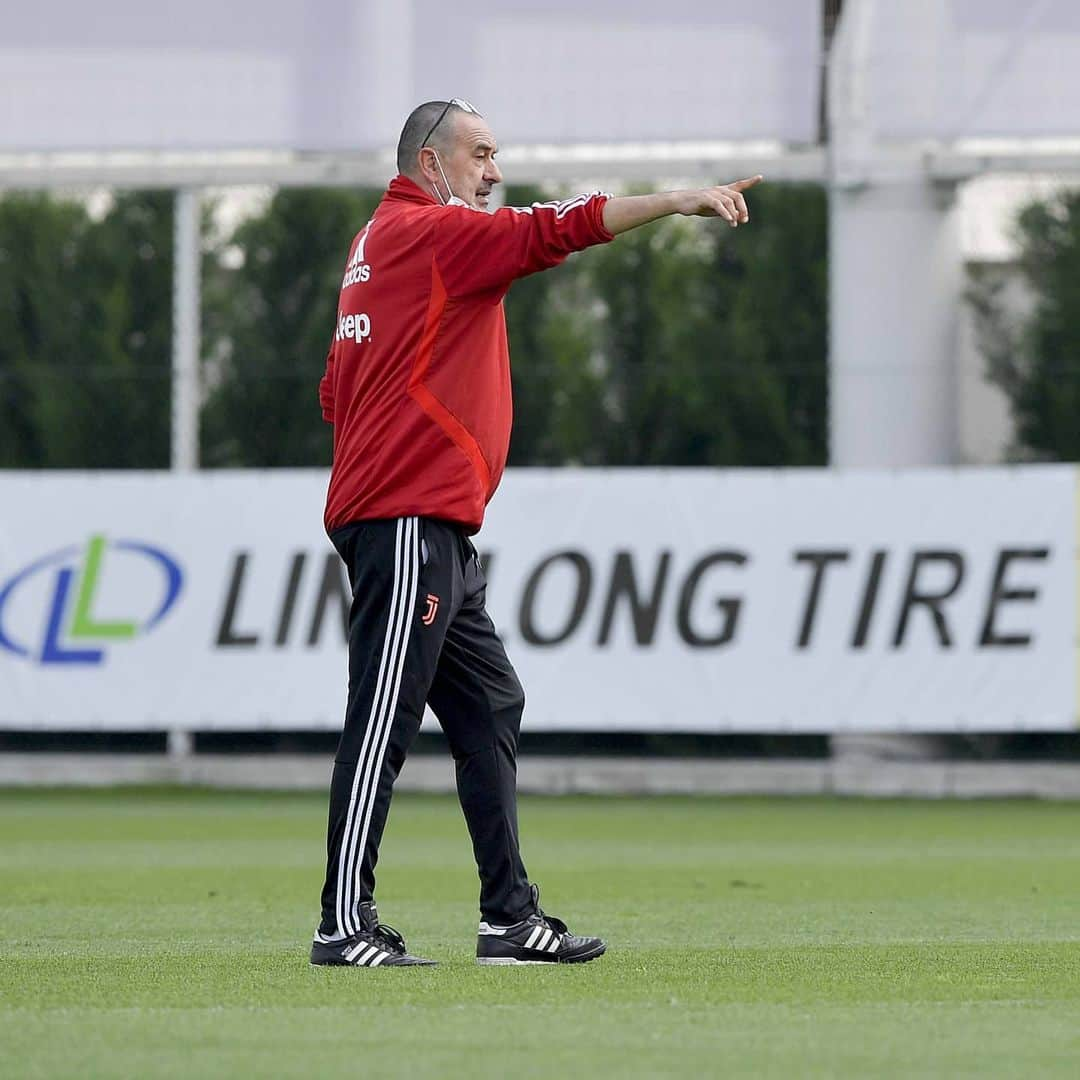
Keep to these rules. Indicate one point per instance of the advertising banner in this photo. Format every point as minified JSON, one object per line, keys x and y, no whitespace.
{"x":629,"y":600}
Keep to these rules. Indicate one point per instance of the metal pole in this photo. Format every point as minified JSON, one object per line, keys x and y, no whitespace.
{"x":185,"y":352}
{"x":895,"y":285}
{"x":895,"y":274}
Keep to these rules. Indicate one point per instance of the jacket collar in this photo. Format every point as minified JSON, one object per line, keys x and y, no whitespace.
{"x":405,"y":190}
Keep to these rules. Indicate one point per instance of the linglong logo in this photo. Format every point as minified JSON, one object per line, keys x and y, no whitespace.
{"x":63,"y":607}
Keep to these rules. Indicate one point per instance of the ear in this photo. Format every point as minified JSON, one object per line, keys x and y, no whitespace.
{"x":425,"y":159}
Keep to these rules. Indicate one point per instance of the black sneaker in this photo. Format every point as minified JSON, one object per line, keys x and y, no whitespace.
{"x":538,"y":939}
{"x":376,"y":945}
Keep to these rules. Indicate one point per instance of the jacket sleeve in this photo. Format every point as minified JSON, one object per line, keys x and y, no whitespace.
{"x":326,"y":387}
{"x":477,"y":252}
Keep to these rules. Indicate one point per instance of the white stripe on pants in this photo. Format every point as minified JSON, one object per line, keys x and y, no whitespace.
{"x":380,"y":720}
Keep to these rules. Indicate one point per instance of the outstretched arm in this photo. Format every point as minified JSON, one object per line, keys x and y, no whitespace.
{"x":629,"y":211}
{"x":476,"y":251}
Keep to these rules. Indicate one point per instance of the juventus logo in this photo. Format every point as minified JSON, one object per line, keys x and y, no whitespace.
{"x":432,"y":609}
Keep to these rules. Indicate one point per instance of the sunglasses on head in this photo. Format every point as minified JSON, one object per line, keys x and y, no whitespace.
{"x":464,"y":106}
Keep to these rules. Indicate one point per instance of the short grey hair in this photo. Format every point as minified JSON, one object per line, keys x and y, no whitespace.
{"x":413,"y":134}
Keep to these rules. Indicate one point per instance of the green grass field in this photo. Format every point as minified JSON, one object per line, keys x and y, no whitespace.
{"x":164,"y":933}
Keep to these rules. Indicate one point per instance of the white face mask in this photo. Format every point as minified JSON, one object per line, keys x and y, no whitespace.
{"x":452,"y":200}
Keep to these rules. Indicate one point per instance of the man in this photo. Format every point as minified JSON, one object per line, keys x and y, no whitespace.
{"x":417,"y":387}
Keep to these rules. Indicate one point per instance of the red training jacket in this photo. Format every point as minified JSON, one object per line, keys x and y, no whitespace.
{"x":417,"y":381}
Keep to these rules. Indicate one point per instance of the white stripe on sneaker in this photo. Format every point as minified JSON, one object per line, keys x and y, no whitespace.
{"x":556,"y":941}
{"x":366,"y":955}
{"x":534,"y":937}
{"x":542,"y":941}
{"x":353,"y":951}
{"x":509,"y":961}
{"x":379,"y":959}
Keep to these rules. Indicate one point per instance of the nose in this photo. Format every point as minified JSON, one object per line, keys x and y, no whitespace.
{"x":493,"y":174}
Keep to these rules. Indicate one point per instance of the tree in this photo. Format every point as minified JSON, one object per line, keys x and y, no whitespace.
{"x":1036,"y":360}
{"x":85,"y":322}
{"x":267,"y":324}
{"x":681,"y":343}
{"x":550,"y":331}
{"x":39,"y":242}
{"x":115,"y":411}
{"x":676,"y":345}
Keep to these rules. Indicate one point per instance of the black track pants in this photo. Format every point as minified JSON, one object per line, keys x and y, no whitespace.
{"x":419,"y":632}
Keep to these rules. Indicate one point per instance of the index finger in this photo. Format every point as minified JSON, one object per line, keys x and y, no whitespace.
{"x":749,"y":182}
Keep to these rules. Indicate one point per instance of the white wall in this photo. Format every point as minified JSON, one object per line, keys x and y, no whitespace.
{"x":341,"y":75}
